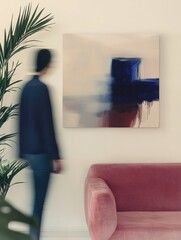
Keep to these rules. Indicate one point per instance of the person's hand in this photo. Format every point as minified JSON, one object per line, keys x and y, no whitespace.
{"x":57,"y":166}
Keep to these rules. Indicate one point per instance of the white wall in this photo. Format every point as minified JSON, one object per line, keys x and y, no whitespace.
{"x":82,"y":147}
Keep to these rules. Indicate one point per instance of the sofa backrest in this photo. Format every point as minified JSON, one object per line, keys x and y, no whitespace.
{"x":142,"y":187}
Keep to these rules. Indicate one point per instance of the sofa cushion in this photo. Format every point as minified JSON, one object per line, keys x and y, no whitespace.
{"x":148,"y":226}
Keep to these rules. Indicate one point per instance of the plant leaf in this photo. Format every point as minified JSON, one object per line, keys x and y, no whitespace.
{"x":16,"y":216}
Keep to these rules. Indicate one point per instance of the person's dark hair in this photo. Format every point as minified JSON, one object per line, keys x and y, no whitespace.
{"x":43,"y":58}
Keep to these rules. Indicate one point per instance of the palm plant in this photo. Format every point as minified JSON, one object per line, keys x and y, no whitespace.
{"x":16,"y":39}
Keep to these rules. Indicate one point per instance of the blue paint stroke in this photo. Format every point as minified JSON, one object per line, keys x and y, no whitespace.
{"x":126,"y":87}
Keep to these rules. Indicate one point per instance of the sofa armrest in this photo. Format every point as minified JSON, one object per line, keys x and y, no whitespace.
{"x":100,"y":209}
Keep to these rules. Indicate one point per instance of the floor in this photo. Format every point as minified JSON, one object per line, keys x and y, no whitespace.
{"x":66,"y":237}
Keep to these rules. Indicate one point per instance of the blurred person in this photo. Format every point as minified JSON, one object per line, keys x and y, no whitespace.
{"x":37,"y":141}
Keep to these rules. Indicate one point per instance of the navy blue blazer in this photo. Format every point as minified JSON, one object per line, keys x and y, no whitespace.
{"x":36,"y":128}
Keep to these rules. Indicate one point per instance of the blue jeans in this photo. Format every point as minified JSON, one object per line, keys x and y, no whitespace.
{"x":41,"y":167}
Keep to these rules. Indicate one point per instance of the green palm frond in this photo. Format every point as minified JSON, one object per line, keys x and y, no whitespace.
{"x":27,"y":24}
{"x":6,"y":76}
{"x":4,"y":138}
{"x":8,"y":172}
{"x":7,"y":113}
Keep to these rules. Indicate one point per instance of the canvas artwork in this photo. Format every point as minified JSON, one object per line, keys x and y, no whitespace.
{"x":111,"y":80}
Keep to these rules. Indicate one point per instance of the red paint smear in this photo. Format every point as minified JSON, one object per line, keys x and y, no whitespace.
{"x":123,"y":115}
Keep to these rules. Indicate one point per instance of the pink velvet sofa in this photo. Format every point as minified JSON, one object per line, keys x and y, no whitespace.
{"x":133,"y":201}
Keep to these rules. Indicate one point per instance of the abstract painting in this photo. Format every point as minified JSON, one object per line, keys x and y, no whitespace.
{"x":111,"y":80}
